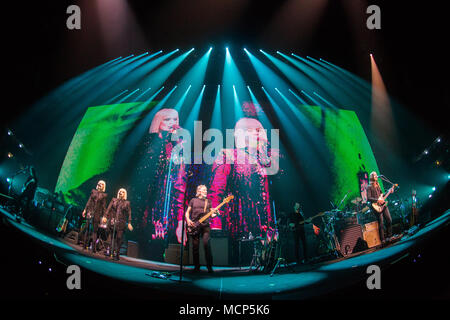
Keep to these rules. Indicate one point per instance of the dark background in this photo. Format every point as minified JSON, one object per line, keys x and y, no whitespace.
{"x":40,"y":54}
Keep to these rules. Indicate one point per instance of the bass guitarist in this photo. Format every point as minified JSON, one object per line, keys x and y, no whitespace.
{"x":374,"y":195}
{"x":198,"y":207}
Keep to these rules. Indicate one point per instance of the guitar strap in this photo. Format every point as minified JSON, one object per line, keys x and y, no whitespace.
{"x":206,"y":203}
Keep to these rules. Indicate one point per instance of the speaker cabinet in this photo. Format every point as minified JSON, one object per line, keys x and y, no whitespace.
{"x":372,"y":234}
{"x":349,"y":237}
{"x":132,"y":249}
{"x":172,"y":254}
{"x":219,"y":251}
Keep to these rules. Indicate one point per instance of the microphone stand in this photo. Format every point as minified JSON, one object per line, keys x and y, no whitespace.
{"x":385,"y":179}
{"x":113,"y":238}
{"x":182,"y":248}
{"x":343,"y":199}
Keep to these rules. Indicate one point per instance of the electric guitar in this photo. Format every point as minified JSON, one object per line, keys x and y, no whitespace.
{"x":307,"y":220}
{"x":192,"y":230}
{"x":62,"y":226}
{"x":380,"y":207}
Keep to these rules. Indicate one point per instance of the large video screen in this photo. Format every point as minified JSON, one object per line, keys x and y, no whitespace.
{"x":136,"y":146}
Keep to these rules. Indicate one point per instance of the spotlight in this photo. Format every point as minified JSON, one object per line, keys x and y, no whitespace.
{"x":425,"y":152}
{"x":10,"y":155}
{"x":10,"y":133}
{"x":430,"y":196}
{"x":20,"y":145}
{"x":438,"y":139}
{"x":434,"y":188}
{"x":8,"y":180}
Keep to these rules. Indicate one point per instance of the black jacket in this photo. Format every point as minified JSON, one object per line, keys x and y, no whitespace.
{"x":373,"y":193}
{"x":96,"y":204}
{"x":120,"y":209}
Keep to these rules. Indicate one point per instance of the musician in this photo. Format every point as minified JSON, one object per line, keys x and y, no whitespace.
{"x":118,"y":215}
{"x":198,"y":207}
{"x":373,"y":195}
{"x":297,"y":224}
{"x":94,"y":210}
{"x":28,"y":191}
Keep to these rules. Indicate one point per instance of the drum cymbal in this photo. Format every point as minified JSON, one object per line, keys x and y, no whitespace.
{"x":365,"y":209}
{"x":356,"y":200}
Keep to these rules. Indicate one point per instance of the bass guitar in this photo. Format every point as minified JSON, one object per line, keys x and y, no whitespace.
{"x":380,"y":207}
{"x":192,"y":230}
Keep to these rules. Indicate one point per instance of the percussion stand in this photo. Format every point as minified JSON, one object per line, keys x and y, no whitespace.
{"x":333,"y":244}
{"x":280,"y":260}
{"x":256,"y":258}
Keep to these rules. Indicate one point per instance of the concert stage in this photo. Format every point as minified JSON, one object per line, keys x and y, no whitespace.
{"x":288,"y":282}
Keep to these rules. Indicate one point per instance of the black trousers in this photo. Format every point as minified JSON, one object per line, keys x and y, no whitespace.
{"x":118,"y":238}
{"x":384,"y":217}
{"x":205,"y":233}
{"x":300,"y":235}
{"x":90,"y":230}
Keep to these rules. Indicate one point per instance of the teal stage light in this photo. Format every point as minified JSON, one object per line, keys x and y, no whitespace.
{"x":216,"y":118}
{"x":234,"y":92}
{"x":191,"y":83}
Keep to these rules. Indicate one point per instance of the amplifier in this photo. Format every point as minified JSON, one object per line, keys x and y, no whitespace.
{"x":132,"y":249}
{"x":349,"y":237}
{"x":372,"y":234}
{"x":46,"y":219}
{"x":219,"y":251}
{"x":172,"y":254}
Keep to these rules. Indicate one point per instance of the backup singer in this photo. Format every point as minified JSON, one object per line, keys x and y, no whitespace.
{"x":198,"y":207}
{"x":373,"y":195}
{"x":95,"y":209}
{"x":118,"y":214}
{"x":297,"y":223}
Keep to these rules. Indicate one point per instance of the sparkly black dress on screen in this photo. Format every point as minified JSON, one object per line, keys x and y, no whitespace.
{"x":157,"y":192}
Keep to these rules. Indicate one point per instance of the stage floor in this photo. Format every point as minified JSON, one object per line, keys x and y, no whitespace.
{"x":291,"y":282}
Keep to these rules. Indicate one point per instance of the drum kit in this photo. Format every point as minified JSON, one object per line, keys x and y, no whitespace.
{"x":267,"y":249}
{"x":335,"y":220}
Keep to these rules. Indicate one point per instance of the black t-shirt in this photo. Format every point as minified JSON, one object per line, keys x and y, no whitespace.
{"x":296,"y":218}
{"x":197,"y":209}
